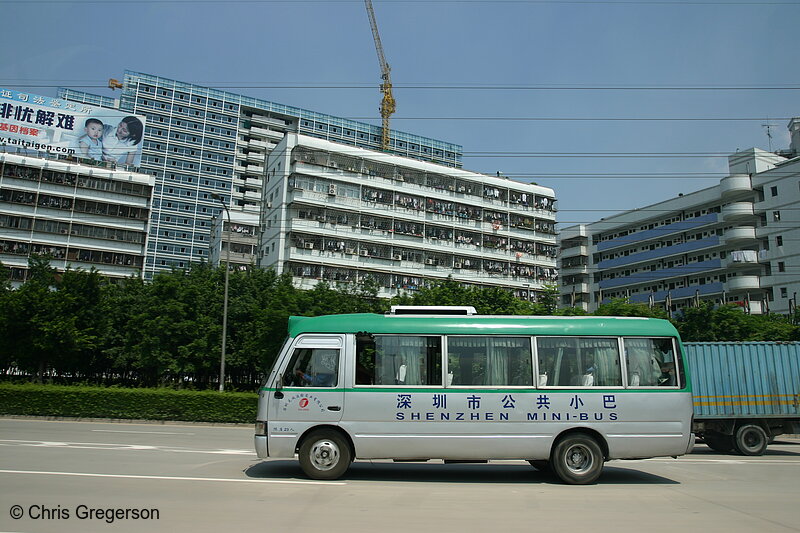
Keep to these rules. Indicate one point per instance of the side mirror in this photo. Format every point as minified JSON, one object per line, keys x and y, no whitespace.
{"x":278,"y":386}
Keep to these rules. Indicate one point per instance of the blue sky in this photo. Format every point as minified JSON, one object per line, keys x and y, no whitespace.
{"x":475,"y":48}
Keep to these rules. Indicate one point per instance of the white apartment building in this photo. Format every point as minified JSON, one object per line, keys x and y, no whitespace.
{"x":82,"y":215}
{"x":737,"y":242}
{"x":241,"y":235}
{"x":344,"y":214}
{"x":575,"y":280}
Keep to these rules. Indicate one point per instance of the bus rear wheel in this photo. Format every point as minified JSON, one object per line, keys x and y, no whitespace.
{"x":325,"y":454}
{"x":577,"y":459}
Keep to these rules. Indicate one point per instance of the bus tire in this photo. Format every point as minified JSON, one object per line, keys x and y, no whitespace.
{"x":751,"y":439}
{"x":540,"y":465}
{"x":325,"y":454}
{"x":577,"y":459}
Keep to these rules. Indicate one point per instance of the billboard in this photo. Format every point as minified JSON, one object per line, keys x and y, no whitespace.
{"x":61,"y":127}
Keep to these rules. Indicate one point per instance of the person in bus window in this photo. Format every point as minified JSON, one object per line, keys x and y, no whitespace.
{"x":667,"y":378}
{"x":316,"y":380}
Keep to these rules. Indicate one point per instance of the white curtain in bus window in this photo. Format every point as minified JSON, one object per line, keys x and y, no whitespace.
{"x":578,"y":362}
{"x":399,"y":360}
{"x":489,"y":361}
{"x":651,"y":362}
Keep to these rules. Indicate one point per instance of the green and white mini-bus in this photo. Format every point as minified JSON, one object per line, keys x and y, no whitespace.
{"x":563,"y":393}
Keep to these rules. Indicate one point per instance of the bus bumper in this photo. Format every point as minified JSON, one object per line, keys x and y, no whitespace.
{"x":261,"y":446}
{"x":690,"y":447}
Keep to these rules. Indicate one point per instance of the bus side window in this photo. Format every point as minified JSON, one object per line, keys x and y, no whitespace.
{"x":579,"y":362}
{"x":489,"y":360}
{"x":651,"y":362}
{"x":398,"y":360}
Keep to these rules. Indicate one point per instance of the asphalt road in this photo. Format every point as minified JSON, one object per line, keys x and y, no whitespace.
{"x":68,"y":476}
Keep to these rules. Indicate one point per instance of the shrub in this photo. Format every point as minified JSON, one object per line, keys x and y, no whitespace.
{"x":141,"y":404}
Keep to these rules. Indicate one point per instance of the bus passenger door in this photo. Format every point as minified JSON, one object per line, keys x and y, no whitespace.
{"x":309,"y":388}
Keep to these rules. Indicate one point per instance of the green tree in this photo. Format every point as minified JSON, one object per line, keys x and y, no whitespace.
{"x":708,"y":323}
{"x":622,"y":307}
{"x":33,"y":325}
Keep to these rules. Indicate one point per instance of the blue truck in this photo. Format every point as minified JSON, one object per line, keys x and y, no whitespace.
{"x":745,"y":393}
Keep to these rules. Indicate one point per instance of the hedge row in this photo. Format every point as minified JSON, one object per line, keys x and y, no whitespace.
{"x":141,"y":404}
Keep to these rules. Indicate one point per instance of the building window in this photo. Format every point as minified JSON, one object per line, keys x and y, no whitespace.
{"x":781,"y":266}
{"x":784,"y":292}
{"x":776,"y":216}
{"x":779,"y":240}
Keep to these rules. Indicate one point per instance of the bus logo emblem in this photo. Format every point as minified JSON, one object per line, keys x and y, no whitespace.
{"x":303,"y":403}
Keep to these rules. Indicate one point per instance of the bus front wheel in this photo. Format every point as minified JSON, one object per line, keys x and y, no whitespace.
{"x":577,"y":459}
{"x":325,"y":454}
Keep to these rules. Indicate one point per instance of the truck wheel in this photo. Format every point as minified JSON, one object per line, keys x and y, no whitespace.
{"x":577,"y":459}
{"x":325,"y":454}
{"x":751,"y":440}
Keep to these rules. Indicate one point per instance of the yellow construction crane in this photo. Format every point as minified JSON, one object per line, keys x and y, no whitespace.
{"x":388,"y":105}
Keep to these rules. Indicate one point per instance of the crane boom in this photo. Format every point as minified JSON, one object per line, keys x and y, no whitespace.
{"x":388,"y":104}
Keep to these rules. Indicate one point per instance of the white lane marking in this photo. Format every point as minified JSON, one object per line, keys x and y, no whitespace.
{"x":114,"y":446}
{"x":174,"y":478}
{"x":724,"y":461}
{"x":147,"y":432}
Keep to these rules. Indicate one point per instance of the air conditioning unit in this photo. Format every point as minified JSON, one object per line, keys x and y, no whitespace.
{"x":456,"y":265}
{"x":308,"y":245}
{"x":430,"y":261}
{"x":332,"y":189}
{"x":397,"y":257}
{"x":350,"y":251}
{"x":363,"y":253}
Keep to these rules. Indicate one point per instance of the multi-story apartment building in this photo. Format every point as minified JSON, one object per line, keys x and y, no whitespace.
{"x":200,"y":141}
{"x":241,"y":234}
{"x":345,"y":214}
{"x":736,"y":242}
{"x":575,"y":280}
{"x":82,"y":215}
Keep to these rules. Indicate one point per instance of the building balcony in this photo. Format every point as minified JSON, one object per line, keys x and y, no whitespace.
{"x":260,"y":119}
{"x":737,"y":211}
{"x":575,"y":251}
{"x":259,"y":170}
{"x":743,"y":283}
{"x":658,"y":253}
{"x":659,"y":232}
{"x":256,"y":143}
{"x":734,"y":185}
{"x":576,"y":269}
{"x":253,"y":195}
{"x":739,"y":235}
{"x":741,"y":259}
{"x":682,"y":293}
{"x":575,"y":288}
{"x":650,"y":276}
{"x":256,"y":157}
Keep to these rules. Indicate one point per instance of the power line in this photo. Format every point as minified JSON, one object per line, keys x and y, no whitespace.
{"x":689,"y":3}
{"x":509,"y":87}
{"x":586,"y":119}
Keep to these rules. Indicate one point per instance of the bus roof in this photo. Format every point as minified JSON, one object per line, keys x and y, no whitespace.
{"x":481,"y":325}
